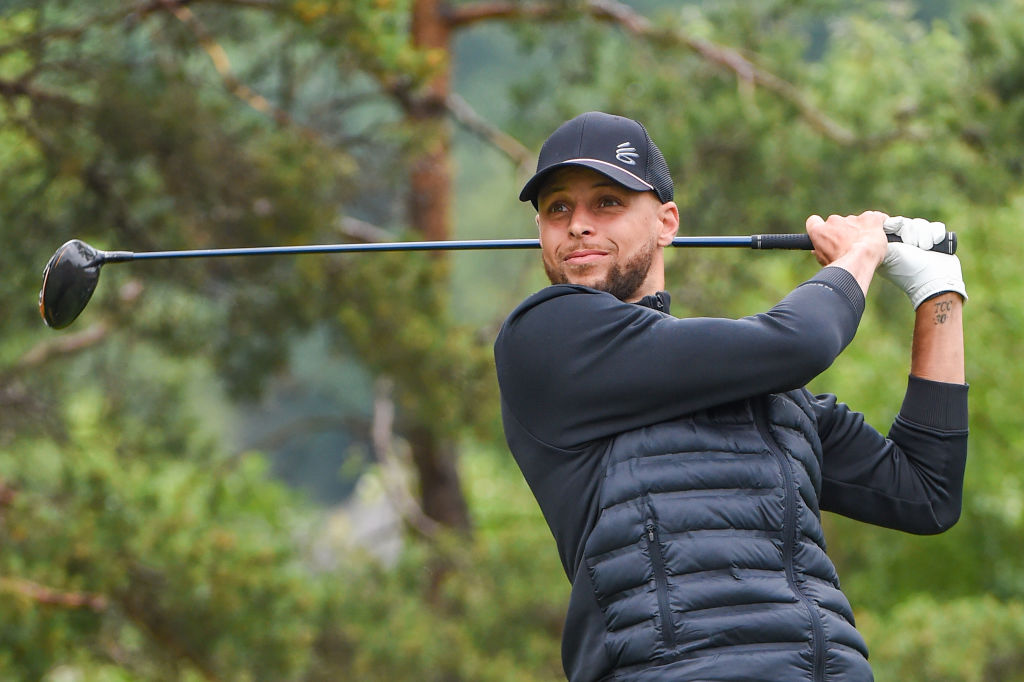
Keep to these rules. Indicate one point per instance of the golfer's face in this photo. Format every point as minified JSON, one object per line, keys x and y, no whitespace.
{"x":597,"y":233}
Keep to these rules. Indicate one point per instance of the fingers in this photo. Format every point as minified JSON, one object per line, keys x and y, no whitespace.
{"x":813,"y":224}
{"x":824,"y":238}
{"x":917,"y":232}
{"x":867,"y":219}
{"x":921,"y":235}
{"x":894,"y":224}
{"x":836,"y":235}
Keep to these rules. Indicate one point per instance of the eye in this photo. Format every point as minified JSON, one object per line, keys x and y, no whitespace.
{"x":557,"y":207}
{"x":609,"y":200}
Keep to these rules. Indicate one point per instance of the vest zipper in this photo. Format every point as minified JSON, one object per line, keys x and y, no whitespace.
{"x":760,"y":409}
{"x":661,"y":582}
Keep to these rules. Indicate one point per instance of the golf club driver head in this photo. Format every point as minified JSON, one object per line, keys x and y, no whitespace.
{"x":68,"y":282}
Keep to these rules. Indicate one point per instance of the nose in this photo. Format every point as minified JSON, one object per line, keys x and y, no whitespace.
{"x":580,"y":224}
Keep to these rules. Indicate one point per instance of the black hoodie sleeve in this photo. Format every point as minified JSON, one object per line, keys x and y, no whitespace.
{"x":912,"y":480}
{"x":575,"y":364}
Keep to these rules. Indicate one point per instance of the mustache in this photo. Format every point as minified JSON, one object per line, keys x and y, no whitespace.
{"x":564,"y":252}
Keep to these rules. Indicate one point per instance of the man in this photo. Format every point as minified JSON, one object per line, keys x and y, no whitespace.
{"x":680,"y":463}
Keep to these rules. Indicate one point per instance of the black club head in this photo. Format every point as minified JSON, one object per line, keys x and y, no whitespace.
{"x":68,"y":282}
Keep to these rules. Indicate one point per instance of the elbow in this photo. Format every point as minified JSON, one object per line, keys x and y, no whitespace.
{"x":824,"y":357}
{"x":814,"y":359}
{"x":943,"y":517}
{"x":947,"y":519}
{"x":943,"y":502}
{"x":815,"y":347}
{"x":804,"y":346}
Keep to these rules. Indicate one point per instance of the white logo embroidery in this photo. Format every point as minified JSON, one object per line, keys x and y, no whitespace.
{"x":625,"y":152}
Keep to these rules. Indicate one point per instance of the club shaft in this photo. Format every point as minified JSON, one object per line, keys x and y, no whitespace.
{"x":450,"y":245}
{"x":446,"y":245}
{"x":796,"y":241}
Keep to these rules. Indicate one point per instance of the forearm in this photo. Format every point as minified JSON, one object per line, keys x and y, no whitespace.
{"x":938,"y":347}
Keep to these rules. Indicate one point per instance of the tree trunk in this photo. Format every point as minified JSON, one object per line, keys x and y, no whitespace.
{"x":434,"y":454}
{"x":431,"y":174}
{"x":440,"y":492}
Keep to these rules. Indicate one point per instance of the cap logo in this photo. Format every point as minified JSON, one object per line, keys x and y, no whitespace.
{"x":625,"y":153}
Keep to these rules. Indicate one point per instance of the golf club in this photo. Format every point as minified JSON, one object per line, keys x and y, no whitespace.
{"x":71,"y":275}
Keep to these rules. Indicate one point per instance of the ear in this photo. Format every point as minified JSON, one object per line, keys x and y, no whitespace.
{"x":668,"y":225}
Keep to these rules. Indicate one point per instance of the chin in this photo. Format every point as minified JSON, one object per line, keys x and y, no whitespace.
{"x":592,"y":281}
{"x":587,"y":277}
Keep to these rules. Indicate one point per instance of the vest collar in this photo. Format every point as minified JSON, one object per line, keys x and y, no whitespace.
{"x":659,"y":301}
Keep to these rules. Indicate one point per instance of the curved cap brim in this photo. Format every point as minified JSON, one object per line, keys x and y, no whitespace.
{"x":623,"y":177}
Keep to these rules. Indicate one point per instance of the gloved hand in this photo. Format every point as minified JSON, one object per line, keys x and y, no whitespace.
{"x":910,"y":266}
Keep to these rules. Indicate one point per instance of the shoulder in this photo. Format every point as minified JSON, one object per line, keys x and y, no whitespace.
{"x":540,"y":320}
{"x":565,"y":314}
{"x":558,"y":297}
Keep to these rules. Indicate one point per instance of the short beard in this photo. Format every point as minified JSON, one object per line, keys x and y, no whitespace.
{"x":622,"y":281}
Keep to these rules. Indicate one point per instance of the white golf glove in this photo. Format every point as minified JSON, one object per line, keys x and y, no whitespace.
{"x":912,"y":267}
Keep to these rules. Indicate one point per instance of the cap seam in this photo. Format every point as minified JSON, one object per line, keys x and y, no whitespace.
{"x":579,"y":139}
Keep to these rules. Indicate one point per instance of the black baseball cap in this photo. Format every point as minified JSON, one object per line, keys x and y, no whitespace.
{"x":615,"y":146}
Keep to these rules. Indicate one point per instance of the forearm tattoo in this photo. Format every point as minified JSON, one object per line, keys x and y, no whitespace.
{"x":943,"y":310}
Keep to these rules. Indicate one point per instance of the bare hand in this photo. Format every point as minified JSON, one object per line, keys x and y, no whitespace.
{"x":840,"y":235}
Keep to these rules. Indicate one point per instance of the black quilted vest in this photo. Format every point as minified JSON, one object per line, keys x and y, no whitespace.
{"x":708,"y":558}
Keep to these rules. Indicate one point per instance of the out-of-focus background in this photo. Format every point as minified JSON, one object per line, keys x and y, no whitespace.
{"x":292,"y":468}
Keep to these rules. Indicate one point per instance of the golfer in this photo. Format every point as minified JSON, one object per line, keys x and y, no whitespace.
{"x":680,"y":463}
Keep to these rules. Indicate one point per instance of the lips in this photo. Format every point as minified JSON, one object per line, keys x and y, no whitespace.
{"x":584,"y":256}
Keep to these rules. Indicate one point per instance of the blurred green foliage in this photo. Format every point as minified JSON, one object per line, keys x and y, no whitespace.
{"x":971,"y":639}
{"x":142,"y":535}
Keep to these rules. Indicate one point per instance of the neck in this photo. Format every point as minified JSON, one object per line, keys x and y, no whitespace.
{"x":654,"y":282}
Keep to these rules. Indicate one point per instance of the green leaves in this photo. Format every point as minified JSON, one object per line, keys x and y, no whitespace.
{"x":974,"y":640}
{"x":188,"y":557}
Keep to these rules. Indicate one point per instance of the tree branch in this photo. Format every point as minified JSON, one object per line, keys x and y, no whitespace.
{"x":75,"y":342}
{"x":219,"y":58}
{"x":37,"y":38}
{"x":745,"y":70}
{"x":475,"y":123}
{"x":357,"y":230}
{"x":11,"y":89}
{"x":156,"y":5}
{"x":467,"y":15}
{"x":62,"y":345}
{"x":7,"y":495}
{"x":133,"y":12}
{"x":303,"y":426}
{"x":15,"y":395}
{"x":52,"y":597}
{"x":138,"y":603}
{"x":137,"y":607}
{"x":625,"y":17}
{"x":392,"y":475}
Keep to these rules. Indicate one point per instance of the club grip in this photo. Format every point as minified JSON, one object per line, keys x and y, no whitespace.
{"x":801,"y":241}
